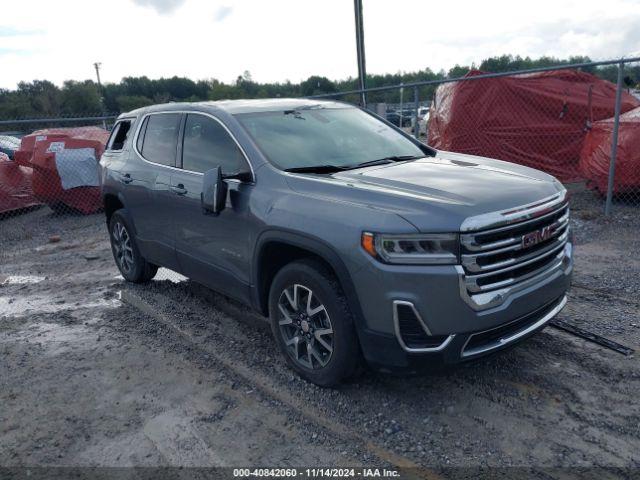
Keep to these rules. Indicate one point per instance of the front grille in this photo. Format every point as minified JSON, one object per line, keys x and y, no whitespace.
{"x":505,"y":256}
{"x":495,"y":337}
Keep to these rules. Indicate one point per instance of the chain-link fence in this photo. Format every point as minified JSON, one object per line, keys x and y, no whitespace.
{"x":580,"y":128}
{"x":568,"y":122}
{"x":52,"y":162}
{"x":571,"y":123}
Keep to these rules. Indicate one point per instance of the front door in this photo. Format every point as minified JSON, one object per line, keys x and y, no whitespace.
{"x":212,"y":249}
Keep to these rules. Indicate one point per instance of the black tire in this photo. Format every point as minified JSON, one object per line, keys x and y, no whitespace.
{"x":132,"y":265}
{"x":344,"y":359}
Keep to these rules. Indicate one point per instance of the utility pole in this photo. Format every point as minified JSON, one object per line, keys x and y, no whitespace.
{"x":97,"y":66}
{"x":362,"y":69}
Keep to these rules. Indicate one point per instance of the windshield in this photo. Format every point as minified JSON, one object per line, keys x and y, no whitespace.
{"x":341,"y":137}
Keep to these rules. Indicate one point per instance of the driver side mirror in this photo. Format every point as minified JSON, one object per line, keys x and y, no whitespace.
{"x":214,"y":191}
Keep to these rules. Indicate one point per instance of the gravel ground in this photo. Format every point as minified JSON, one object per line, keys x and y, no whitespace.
{"x":99,"y":372}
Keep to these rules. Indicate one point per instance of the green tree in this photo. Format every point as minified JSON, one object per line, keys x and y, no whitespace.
{"x":127,"y":103}
{"x":42,"y":98}
{"x":80,"y":98}
{"x":317,"y":85}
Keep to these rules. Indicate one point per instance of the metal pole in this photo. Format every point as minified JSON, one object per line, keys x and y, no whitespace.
{"x":97,"y":67}
{"x":614,"y":141}
{"x":401,"y":104}
{"x":416,"y":105}
{"x":362,"y":69}
{"x":58,"y":120}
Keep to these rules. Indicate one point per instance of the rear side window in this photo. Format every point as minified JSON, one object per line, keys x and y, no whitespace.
{"x":141,"y":134}
{"x":161,"y":138}
{"x":119,"y":135}
{"x":207,"y":144}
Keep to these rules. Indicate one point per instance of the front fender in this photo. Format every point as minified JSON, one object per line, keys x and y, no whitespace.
{"x":314,"y":245}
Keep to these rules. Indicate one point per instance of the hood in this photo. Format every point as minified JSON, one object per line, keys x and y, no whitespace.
{"x":439,"y":193}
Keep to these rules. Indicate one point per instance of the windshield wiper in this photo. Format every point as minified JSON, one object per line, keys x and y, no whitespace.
{"x":315,"y":106}
{"x":297,"y":112}
{"x":337,"y":168}
{"x":386,"y":160}
{"x":316,"y":169}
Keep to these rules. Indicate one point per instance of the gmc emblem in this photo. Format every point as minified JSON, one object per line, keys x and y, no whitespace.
{"x":534,"y":238}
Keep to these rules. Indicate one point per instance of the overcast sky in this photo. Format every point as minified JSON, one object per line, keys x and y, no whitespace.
{"x":278,"y":40}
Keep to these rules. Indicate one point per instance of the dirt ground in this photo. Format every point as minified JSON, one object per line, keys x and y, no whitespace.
{"x":97,"y":372}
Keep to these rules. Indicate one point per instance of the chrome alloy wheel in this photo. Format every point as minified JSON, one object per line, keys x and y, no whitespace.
{"x":122,"y":247}
{"x":305,"y":327}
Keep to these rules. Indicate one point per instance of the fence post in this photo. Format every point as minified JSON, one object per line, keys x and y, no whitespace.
{"x":416,"y":106}
{"x":614,"y":141}
{"x":401,"y":104}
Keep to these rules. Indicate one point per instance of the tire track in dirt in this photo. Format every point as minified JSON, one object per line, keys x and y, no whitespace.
{"x":542,"y":386}
{"x":269,"y":388}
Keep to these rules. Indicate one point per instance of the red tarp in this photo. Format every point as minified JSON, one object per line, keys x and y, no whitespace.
{"x":15,"y":186}
{"x":47,"y":184}
{"x":536,"y":119}
{"x":596,"y":154}
{"x":28,"y":143}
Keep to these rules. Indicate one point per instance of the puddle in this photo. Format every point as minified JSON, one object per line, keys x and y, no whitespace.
{"x":56,"y":338}
{"x":20,"y":279}
{"x":164,"y":274}
{"x":18,"y":306}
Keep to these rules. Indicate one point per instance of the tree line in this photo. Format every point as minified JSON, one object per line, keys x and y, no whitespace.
{"x":42,"y":98}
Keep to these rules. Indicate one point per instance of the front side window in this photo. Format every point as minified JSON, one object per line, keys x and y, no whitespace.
{"x":207,"y":144}
{"x":161,"y":138}
{"x":119,"y":135}
{"x":340,"y":137}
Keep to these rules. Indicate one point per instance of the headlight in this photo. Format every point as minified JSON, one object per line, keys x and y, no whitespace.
{"x":413,"y":249}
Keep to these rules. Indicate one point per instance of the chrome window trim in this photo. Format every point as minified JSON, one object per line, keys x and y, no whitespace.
{"x":506,"y":340}
{"x":396,"y":326}
{"x":193,"y":112}
{"x":513,"y":215}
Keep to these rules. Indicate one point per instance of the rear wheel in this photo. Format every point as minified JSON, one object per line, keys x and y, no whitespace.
{"x":132,"y":265}
{"x":312,"y":323}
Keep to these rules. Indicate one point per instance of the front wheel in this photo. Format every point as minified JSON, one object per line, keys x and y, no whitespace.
{"x":132,"y":265}
{"x":312,"y":323}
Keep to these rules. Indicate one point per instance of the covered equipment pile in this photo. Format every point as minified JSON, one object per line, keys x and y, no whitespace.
{"x":538,"y":119}
{"x":65,"y":166}
{"x":596,"y":154}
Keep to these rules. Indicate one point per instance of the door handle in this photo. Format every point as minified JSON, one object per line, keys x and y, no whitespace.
{"x":126,"y":178}
{"x":179,"y":189}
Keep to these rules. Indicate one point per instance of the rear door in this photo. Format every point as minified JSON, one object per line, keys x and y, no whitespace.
{"x":150,"y":196}
{"x":212,"y":249}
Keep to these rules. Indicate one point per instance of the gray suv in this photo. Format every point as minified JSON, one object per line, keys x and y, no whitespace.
{"x":355,"y":239}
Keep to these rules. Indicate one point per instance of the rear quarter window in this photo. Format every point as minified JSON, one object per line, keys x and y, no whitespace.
{"x":119,"y":135}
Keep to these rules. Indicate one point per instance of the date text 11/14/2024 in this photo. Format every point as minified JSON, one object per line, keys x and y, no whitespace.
{"x":317,"y":472}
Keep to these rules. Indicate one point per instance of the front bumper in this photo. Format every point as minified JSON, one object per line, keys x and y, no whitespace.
{"x":446,"y":313}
